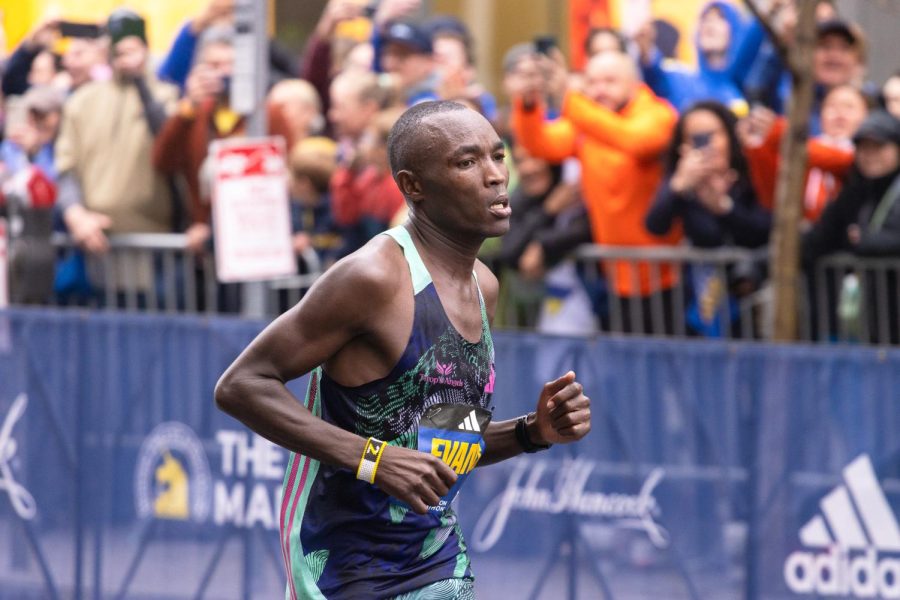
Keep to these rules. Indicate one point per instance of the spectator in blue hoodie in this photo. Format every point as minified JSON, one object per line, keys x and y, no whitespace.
{"x":768,"y":81}
{"x":726,"y":47}
{"x":178,"y":62}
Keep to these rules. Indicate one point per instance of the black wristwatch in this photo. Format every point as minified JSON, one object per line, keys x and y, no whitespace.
{"x":523,"y":439}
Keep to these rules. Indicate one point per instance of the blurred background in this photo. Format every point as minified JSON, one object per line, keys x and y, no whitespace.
{"x":706,"y":227}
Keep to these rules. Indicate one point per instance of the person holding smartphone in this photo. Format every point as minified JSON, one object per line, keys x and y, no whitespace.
{"x":707,"y":191}
{"x":34,"y":63}
{"x":707,"y":185}
{"x":106,"y":183}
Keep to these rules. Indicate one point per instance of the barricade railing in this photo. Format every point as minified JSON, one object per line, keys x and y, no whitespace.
{"x":717,"y":290}
{"x":721,"y":292}
{"x":157,"y":272}
{"x":843,"y":298}
{"x":856,"y":299}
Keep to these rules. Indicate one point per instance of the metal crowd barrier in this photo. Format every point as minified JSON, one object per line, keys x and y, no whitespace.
{"x":856,"y":299}
{"x":844,"y":298}
{"x":667,"y":312}
{"x":155,"y":272}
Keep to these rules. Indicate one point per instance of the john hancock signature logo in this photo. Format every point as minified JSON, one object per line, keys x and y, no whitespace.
{"x":21,"y":499}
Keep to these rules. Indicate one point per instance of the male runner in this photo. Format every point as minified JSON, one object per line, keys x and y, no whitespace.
{"x":398,"y":408}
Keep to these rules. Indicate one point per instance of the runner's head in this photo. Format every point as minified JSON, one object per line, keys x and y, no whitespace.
{"x":449,"y":163}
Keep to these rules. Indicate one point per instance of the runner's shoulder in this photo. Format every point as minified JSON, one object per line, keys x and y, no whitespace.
{"x":490,"y":287}
{"x":372,"y":275}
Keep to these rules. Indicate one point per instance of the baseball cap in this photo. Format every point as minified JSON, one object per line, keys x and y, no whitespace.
{"x":124,"y":23}
{"x":838,"y":27}
{"x":880,"y":126}
{"x":407,"y":34}
{"x":447,"y":25}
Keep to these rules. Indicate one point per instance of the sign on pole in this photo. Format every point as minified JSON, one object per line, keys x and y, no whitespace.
{"x":251,"y":214}
{"x":249,"y":81}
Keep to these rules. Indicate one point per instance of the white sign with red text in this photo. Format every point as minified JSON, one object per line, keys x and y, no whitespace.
{"x":251,"y":214}
{"x":4,"y":265}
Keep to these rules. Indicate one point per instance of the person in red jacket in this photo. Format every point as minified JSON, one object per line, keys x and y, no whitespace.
{"x":364,"y":196}
{"x":830,"y":154}
{"x":618,"y":129}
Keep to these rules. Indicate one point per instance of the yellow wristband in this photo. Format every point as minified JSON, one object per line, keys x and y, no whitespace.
{"x":371,"y":456}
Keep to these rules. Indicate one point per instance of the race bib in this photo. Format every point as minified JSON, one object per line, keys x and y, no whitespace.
{"x":454,"y":433}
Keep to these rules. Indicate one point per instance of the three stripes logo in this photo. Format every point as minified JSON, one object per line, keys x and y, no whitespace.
{"x":470,"y":423}
{"x":854,"y":531}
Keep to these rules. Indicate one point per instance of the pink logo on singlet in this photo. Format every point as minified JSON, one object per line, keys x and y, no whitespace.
{"x":489,"y":388}
{"x":443,"y":377}
{"x":444,"y":370}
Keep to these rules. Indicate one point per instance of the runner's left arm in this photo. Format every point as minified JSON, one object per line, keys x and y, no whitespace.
{"x":562,"y":414}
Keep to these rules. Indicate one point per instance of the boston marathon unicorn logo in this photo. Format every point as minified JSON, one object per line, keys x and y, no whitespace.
{"x":172,"y":476}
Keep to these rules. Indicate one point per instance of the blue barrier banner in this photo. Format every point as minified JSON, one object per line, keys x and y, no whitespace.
{"x":827,"y":497}
{"x":712,"y":470}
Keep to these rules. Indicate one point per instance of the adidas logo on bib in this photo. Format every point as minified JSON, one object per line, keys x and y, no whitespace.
{"x":470,"y":423}
{"x":857,"y":539}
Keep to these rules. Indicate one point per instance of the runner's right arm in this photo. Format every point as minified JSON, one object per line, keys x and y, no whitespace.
{"x":344,"y":305}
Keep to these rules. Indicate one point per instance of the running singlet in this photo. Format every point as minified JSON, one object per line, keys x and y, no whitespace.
{"x":345,"y":538}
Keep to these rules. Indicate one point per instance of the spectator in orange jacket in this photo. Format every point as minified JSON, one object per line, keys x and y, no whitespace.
{"x":618,"y":129}
{"x":830,"y":154}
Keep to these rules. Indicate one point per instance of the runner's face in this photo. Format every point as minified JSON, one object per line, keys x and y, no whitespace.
{"x":464,"y":182}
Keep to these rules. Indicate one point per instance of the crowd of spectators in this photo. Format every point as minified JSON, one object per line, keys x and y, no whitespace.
{"x":635,"y":149}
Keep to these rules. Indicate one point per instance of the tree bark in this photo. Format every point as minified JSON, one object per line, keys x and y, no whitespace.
{"x":784,"y":261}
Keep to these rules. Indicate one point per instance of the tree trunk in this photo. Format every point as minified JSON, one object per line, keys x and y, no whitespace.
{"x":784,"y":264}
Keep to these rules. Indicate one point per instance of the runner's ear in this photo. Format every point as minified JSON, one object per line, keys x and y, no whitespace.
{"x":409,"y":185}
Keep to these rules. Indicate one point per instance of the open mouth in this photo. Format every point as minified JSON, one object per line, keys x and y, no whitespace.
{"x":500,"y":207}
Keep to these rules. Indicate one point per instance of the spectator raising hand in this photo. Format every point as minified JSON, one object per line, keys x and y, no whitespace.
{"x":44,"y":35}
{"x":703,"y":172}
{"x":616,"y":121}
{"x":393,"y":10}
{"x":106,"y":182}
{"x":708,"y":189}
{"x":215,"y":12}
{"x":336,"y":11}
{"x":178,"y":62}
{"x":203,"y":83}
{"x":32,"y":61}
{"x":555,"y":71}
{"x":754,"y":129}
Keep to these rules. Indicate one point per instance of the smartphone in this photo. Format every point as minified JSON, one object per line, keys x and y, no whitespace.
{"x":544,"y":43}
{"x":79,"y":30}
{"x":701,"y":140}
